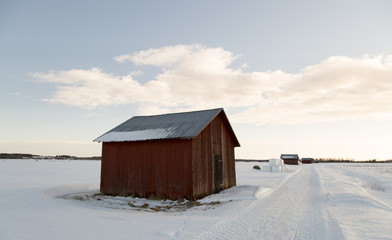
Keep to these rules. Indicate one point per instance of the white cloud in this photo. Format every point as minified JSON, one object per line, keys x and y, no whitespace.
{"x":195,"y":77}
{"x":180,"y":55}
{"x":92,"y":88}
{"x":336,"y":89}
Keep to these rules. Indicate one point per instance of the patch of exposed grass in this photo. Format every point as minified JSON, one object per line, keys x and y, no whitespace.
{"x":180,"y":205}
{"x":79,"y":198}
{"x":151,"y":204}
{"x":155,"y":197}
{"x":375,"y":185}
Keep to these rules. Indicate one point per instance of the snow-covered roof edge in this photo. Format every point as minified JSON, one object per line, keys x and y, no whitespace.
{"x":166,"y":132}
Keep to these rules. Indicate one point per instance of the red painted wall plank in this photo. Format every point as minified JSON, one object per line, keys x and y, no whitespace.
{"x":160,"y":168}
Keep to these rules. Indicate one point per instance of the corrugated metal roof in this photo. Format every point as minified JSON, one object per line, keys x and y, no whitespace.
{"x":289,"y":156}
{"x":166,"y":126}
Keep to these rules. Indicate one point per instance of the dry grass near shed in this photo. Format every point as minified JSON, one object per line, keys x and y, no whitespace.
{"x":375,"y":185}
{"x":140,"y":204}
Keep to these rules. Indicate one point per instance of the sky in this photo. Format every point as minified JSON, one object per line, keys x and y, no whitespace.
{"x":306,"y":77}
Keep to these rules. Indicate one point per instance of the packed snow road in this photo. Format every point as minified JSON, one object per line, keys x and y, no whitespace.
{"x":319,"y":201}
{"x":296,"y":209}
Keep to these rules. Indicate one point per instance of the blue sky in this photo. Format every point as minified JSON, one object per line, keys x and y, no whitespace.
{"x":306,"y":77}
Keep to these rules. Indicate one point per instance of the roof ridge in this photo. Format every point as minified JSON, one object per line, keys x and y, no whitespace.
{"x":173,"y":113}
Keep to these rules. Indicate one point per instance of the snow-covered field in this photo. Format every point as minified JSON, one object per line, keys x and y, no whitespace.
{"x":50,"y":199}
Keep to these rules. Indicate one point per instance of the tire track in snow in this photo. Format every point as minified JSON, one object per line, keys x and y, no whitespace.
{"x":361,"y":214}
{"x":294,"y":210}
{"x":316,"y":222}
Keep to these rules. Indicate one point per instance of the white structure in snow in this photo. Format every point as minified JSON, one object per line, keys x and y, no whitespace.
{"x":274,"y":165}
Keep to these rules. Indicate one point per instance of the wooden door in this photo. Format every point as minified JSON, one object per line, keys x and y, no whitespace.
{"x":218,"y":173}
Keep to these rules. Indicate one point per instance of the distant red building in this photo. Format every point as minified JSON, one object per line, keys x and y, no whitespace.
{"x":181,"y":155}
{"x":290,"y":159}
{"x":308,"y":160}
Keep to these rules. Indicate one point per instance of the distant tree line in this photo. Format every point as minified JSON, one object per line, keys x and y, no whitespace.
{"x":69,"y":157}
{"x":15,"y":155}
{"x":346,"y":160}
{"x":341,"y":160}
{"x":324,"y":160}
{"x":251,"y":160}
{"x":32,"y":156}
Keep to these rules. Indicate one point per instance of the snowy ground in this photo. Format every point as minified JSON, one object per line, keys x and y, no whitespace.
{"x":50,"y":199}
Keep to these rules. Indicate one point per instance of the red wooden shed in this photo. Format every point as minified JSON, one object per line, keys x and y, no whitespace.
{"x":180,"y":155}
